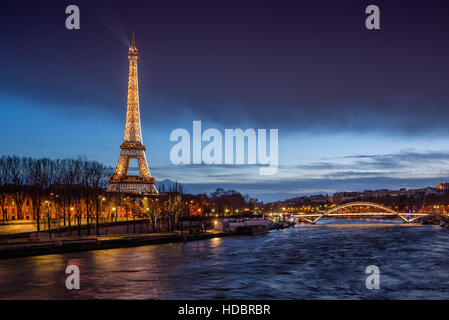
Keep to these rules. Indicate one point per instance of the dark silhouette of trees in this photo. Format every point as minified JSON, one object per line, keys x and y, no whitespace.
{"x":66,"y":187}
{"x":16,"y":171}
{"x":41,"y":175}
{"x":97,"y":182}
{"x":3,"y":186}
{"x":227,"y":199}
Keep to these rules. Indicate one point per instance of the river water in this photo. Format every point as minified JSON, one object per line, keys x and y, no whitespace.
{"x":325,"y":261}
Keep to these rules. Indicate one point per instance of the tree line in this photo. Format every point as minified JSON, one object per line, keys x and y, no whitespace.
{"x":74,"y":189}
{"x":70,"y":185}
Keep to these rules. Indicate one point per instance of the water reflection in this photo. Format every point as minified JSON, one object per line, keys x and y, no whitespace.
{"x":326,"y":261}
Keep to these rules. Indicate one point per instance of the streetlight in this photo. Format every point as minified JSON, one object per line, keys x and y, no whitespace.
{"x":70,"y":219}
{"x":103,"y":199}
{"x":48,"y":217}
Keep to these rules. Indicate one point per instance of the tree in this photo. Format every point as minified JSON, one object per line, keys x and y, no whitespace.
{"x":3,"y":186}
{"x":174,"y":208}
{"x":228,"y":199}
{"x":41,"y":175}
{"x":152,"y":210}
{"x":96,"y":182}
{"x":17,"y":175}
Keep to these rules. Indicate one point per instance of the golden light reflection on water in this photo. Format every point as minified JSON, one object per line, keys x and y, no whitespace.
{"x":234,"y":267}
{"x":43,"y":267}
{"x":216,"y":240}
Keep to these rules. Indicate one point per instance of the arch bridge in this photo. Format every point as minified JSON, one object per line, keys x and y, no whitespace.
{"x":336,"y":212}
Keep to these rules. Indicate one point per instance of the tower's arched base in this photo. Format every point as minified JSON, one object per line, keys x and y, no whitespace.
{"x":131,"y":184}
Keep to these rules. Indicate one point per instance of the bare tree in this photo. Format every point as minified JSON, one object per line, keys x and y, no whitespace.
{"x":173,"y":206}
{"x":97,"y":182}
{"x":152,"y":210}
{"x":17,"y":175}
{"x":40,"y":179}
{"x":3,"y":186}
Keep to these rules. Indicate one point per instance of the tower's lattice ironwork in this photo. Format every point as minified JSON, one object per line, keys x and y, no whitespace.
{"x":132,"y":146}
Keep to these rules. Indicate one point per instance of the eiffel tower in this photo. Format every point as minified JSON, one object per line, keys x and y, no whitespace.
{"x":132,"y":146}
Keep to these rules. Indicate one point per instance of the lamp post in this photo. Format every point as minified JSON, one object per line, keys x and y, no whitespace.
{"x":98,"y":213}
{"x":103,"y":199}
{"x":70,"y":219}
{"x":48,"y":217}
{"x":58,"y":216}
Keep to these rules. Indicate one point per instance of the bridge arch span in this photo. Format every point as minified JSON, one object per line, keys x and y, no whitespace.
{"x":314,"y":217}
{"x":361,"y":204}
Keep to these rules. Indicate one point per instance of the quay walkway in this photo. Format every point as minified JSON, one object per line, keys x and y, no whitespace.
{"x":14,"y":248}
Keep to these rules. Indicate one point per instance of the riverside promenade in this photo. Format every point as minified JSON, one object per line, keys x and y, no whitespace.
{"x":22,"y":247}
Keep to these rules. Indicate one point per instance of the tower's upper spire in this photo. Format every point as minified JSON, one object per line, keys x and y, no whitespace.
{"x":133,"y":50}
{"x":133,"y":132}
{"x":133,"y":45}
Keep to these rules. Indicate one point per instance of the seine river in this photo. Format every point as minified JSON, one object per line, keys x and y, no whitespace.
{"x":325,"y":261}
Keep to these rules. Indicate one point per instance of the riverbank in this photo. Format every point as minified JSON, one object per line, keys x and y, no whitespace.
{"x":24,"y":248}
{"x":439,"y":220}
{"x":294,"y":263}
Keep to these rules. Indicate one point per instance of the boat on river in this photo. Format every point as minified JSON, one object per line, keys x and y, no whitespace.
{"x":244,"y":225}
{"x":252,"y":230}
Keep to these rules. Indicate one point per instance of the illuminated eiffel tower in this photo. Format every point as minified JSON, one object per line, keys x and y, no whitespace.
{"x":132,"y":146}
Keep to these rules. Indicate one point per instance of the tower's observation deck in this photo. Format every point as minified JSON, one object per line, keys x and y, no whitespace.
{"x":132,"y":146}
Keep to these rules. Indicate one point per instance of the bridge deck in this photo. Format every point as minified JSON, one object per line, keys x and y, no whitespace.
{"x":352,"y":214}
{"x":337,"y":212}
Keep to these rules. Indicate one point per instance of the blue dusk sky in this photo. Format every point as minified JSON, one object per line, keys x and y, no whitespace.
{"x":356,"y":109}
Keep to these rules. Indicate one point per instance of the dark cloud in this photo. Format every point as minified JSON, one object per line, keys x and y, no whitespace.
{"x":372,"y":172}
{"x":402,"y":159}
{"x":308,"y":65}
{"x":393,"y":161}
{"x":320,"y":166}
{"x":354,"y":174}
{"x":292,"y":188}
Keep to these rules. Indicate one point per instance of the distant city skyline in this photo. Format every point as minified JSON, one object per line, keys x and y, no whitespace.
{"x":355,"y":109}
